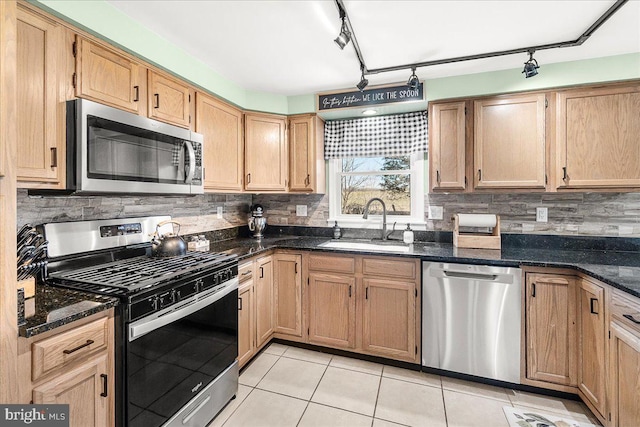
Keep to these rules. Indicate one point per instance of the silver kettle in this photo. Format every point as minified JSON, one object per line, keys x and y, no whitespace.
{"x":168,"y":244}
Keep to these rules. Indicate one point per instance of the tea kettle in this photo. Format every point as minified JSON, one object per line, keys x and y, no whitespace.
{"x":257,"y":223}
{"x":168,"y":244}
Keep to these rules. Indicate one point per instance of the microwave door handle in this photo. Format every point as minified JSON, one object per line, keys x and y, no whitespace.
{"x":191,"y":155}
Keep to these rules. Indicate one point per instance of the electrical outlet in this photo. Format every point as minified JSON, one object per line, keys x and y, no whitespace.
{"x":542,"y":214}
{"x":301,"y":210}
{"x":219,"y":211}
{"x":436,"y":212}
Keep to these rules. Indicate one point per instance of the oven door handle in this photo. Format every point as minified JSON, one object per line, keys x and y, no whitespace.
{"x":158,"y":320}
{"x":191,"y":168}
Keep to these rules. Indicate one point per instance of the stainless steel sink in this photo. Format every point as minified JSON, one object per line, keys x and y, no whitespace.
{"x":365,"y":246}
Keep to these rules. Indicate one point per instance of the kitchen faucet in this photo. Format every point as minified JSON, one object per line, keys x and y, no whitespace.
{"x":384,"y":215}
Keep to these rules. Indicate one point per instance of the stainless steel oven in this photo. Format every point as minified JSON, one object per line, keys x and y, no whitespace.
{"x":114,"y":151}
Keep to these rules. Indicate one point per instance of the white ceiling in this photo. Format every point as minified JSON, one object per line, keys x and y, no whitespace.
{"x":286,"y":47}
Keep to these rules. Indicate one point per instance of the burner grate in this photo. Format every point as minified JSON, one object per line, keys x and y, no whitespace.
{"x":142,"y":271}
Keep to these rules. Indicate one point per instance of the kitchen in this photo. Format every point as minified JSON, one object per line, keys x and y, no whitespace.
{"x":602,"y":220}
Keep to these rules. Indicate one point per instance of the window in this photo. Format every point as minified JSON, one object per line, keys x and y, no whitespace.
{"x":397,"y":180}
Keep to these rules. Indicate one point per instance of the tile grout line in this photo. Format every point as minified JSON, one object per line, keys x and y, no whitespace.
{"x":314,"y":391}
{"x":375,"y":406}
{"x":235,"y":410}
{"x":444,"y":403}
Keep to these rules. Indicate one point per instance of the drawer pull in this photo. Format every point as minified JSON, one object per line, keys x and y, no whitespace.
{"x":246,"y":273}
{"x":105,"y":386}
{"x":630,"y":317}
{"x":73,"y":350}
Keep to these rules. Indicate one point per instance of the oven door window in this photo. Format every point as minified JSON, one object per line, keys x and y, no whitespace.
{"x":119,"y":152}
{"x":168,"y":367}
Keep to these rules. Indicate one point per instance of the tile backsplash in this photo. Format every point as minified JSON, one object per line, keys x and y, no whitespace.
{"x":195,"y":213}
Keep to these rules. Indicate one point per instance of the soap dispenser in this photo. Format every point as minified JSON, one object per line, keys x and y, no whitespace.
{"x":407,"y":236}
{"x":336,"y":231}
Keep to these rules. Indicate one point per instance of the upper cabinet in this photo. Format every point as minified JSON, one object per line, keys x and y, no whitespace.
{"x":221,"y":126}
{"x":447,"y":143}
{"x":306,"y":154}
{"x":597,"y":138}
{"x":266,"y":161}
{"x":103,"y":75}
{"x":168,"y":100}
{"x":40,"y":108}
{"x":509,"y":142}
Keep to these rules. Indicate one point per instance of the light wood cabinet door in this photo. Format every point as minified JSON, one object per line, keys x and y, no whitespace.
{"x":105,"y":76}
{"x":389,"y":325}
{"x":597,"y":138}
{"x":332,"y":310}
{"x":221,"y":126}
{"x":509,"y":142}
{"x":246,"y":332}
{"x":87,"y":389}
{"x":40,"y":118}
{"x":306,"y":154}
{"x":266,"y":160}
{"x":447,"y":143}
{"x":287,"y":285}
{"x":591,"y":353}
{"x":624,"y":377}
{"x":263,"y":291}
{"x":168,"y":100}
{"x":551,"y":328}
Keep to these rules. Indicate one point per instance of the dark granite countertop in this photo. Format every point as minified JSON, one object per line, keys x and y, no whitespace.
{"x":620,"y":269}
{"x":55,"y":307}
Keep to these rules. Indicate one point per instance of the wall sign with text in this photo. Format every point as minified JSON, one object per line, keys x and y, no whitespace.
{"x":373,"y":96}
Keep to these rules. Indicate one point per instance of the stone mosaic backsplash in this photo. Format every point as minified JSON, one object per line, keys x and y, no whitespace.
{"x":197,"y":214}
{"x":585,"y":214}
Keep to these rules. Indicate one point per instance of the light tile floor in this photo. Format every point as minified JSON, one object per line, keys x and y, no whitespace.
{"x":288,"y":386}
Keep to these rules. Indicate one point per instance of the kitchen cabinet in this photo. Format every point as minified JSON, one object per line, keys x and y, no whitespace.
{"x":266,"y":155}
{"x":287,"y":286}
{"x":332,"y":310}
{"x":306,"y":154}
{"x":263,"y":291}
{"x":106,"y":76}
{"x":551,"y":328}
{"x":597,"y":137}
{"x":86,"y":390}
{"x":246,"y":314}
{"x":40,"y":111}
{"x":591,"y":351}
{"x":509,"y":142}
{"x":168,"y":100}
{"x":223,"y":158}
{"x":447,"y":145}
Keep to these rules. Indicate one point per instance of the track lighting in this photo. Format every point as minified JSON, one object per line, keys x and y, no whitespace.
{"x":531,"y":66}
{"x":413,"y":82}
{"x":363,"y":82}
{"x":345,"y":36}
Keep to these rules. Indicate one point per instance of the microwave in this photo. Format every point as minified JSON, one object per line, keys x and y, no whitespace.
{"x":114,"y":151}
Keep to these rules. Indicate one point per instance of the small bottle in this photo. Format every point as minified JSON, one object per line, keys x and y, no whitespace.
{"x":336,"y":231}
{"x":407,"y":236}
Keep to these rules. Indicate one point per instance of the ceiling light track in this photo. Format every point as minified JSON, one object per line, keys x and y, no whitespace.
{"x":529,"y":49}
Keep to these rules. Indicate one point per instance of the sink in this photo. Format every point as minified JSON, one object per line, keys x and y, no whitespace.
{"x":365,"y":246}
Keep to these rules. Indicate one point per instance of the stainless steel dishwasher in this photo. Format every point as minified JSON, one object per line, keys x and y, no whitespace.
{"x":471,"y":319}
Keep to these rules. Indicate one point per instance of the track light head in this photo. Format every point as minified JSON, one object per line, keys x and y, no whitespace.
{"x":413,"y":82}
{"x":363,"y":82}
{"x":531,"y":66}
{"x":344,"y":37}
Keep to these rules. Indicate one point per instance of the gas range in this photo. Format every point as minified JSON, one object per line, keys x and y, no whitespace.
{"x":177,"y":322}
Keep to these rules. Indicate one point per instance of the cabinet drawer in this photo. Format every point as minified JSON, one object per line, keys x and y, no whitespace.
{"x":626,"y":310}
{"x":340,"y":264}
{"x":388,"y":267}
{"x":245,"y":271}
{"x":67,"y":347}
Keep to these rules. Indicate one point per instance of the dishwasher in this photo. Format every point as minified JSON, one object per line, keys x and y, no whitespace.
{"x":471,"y":319}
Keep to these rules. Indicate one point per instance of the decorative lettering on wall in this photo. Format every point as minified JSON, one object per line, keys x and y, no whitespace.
{"x":373,"y":96}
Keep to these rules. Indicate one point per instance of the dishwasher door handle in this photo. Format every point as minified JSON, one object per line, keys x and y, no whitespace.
{"x":475,"y":276}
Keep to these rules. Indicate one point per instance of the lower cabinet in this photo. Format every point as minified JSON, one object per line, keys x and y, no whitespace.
{"x":624,"y":376}
{"x":246,"y":322}
{"x":263,"y":291}
{"x":332,"y":310}
{"x":287,"y":286}
{"x":551,"y":328}
{"x":86,"y":390}
{"x":591,"y":351}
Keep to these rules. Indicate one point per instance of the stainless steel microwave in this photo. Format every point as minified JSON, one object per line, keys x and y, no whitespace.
{"x":113,"y":151}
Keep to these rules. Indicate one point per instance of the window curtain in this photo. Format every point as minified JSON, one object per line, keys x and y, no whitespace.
{"x":393,"y":135}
